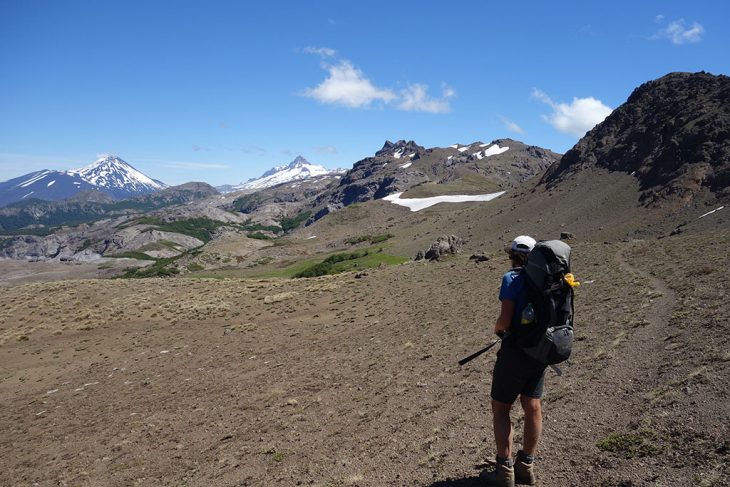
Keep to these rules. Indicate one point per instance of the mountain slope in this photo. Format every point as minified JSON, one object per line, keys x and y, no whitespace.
{"x":44,"y":185}
{"x":297,"y":170}
{"x":672,"y":134}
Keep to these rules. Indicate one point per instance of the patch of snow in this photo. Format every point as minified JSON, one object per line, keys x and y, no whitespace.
{"x":449,"y":158}
{"x":455,"y":146}
{"x":479,"y":155}
{"x":483,"y":145}
{"x":464,"y":148}
{"x":710,"y":212}
{"x":385,"y":164}
{"x":416,"y":204}
{"x":494,"y":150}
{"x":398,"y":154}
{"x":32,"y":180}
{"x":310,"y":237}
{"x":406,"y":165}
{"x":50,"y":184}
{"x":24,"y":197}
{"x":412,"y":155}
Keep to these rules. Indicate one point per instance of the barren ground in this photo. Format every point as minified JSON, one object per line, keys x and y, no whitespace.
{"x":343,"y":381}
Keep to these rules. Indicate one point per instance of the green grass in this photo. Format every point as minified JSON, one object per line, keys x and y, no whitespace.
{"x":629,"y":445}
{"x":259,"y":236}
{"x":337,"y":263}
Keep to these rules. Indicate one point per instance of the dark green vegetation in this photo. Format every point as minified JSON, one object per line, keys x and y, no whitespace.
{"x":133,"y":255}
{"x":200,"y":228}
{"x":249,"y":226}
{"x":373,"y":239}
{"x":289,"y":224}
{"x":336,"y":263}
{"x":52,"y":214}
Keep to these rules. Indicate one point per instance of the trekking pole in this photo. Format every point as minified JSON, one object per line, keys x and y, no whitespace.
{"x":476,"y":354}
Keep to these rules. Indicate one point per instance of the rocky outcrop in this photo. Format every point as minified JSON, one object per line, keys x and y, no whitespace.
{"x":672,"y":134}
{"x":443,"y":246}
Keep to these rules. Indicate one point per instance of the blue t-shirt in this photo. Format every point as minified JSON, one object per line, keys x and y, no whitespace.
{"x":513,"y":289}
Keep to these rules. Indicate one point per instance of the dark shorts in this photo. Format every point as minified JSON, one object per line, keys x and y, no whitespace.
{"x":515,"y":373}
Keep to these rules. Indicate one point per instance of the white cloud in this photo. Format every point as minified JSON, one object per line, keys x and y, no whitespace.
{"x":659,"y":19}
{"x":326,"y":149}
{"x":415,"y":99}
{"x":320,"y":51}
{"x":679,"y":34}
{"x":575,"y":118}
{"x":511,"y":126}
{"x":346,"y":85}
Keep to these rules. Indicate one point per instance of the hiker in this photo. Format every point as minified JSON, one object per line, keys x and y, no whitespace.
{"x":515,"y":374}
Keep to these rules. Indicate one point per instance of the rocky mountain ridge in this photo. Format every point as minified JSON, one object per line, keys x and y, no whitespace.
{"x":672,"y":134}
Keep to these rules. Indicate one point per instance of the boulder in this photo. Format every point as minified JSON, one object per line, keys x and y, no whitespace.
{"x":444,"y":246}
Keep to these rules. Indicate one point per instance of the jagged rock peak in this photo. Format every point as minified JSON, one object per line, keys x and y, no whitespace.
{"x":399,"y":148}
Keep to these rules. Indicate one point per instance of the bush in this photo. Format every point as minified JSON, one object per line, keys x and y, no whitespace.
{"x":373,"y":239}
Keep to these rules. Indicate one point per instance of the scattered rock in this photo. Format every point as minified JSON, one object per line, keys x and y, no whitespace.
{"x":479,"y":257}
{"x":566,"y":236}
{"x":360,"y":275}
{"x":419,"y":255}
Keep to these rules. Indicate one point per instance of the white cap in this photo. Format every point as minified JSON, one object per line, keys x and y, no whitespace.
{"x":523,"y":244}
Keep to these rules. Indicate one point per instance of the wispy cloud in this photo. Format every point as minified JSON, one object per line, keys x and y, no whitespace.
{"x":197,"y":148}
{"x":326,"y":149}
{"x":574,"y":118}
{"x":415,"y":98}
{"x":511,"y":126}
{"x":678,"y":33}
{"x":323,"y":52}
{"x":254,"y":149}
{"x":347,"y":86}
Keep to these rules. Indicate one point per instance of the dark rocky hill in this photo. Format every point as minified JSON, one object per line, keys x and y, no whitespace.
{"x":458,"y":169}
{"x":672,"y":134}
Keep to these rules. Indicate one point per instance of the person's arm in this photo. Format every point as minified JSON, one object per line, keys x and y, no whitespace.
{"x":505,"y":316}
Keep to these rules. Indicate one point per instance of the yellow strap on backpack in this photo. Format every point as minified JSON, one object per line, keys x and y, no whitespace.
{"x":570,"y":279}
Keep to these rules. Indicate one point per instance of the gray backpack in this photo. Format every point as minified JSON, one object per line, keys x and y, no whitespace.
{"x":546,"y":329}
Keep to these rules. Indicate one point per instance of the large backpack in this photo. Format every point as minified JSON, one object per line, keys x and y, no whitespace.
{"x":545,"y":332}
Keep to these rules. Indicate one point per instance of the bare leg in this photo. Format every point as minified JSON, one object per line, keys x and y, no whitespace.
{"x":533,"y":423}
{"x":502,"y":428}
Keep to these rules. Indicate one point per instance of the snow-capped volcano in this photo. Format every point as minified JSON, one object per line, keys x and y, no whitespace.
{"x":298,"y":169}
{"x":113,"y":175}
{"x":109,"y":174}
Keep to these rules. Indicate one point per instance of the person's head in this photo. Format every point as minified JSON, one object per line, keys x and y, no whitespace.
{"x":518,"y":250}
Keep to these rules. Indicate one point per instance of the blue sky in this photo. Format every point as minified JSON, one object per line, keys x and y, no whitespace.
{"x":220,"y":91}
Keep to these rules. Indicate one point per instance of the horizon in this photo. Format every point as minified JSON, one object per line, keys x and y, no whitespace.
{"x":223,"y":92}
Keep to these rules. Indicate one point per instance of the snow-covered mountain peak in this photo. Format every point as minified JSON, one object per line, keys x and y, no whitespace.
{"x":115,"y":174}
{"x":297,"y":170}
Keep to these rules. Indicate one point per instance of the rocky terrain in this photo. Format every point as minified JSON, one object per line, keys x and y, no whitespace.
{"x":236,"y":374}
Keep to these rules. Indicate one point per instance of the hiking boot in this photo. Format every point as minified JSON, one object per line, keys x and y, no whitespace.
{"x":524,"y":472}
{"x":501,"y":476}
